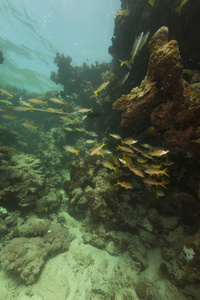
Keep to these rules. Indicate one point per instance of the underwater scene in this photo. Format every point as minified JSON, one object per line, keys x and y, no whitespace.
{"x":100,"y":150}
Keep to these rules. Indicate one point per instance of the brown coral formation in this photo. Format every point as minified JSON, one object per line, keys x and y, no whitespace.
{"x":164,"y":99}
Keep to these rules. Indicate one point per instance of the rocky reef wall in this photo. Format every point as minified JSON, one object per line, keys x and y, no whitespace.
{"x":165,"y":103}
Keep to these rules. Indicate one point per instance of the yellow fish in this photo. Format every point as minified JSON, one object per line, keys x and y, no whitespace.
{"x":92,"y":133}
{"x":97,"y":149}
{"x":151,"y":171}
{"x":67,"y":128}
{"x":71,"y":149}
{"x":28,"y":125}
{"x":65,"y":118}
{"x":37,"y":101}
{"x":101,"y":87}
{"x":5,"y":92}
{"x":115,"y":136}
{"x":55,"y":110}
{"x":154,"y":182}
{"x":124,"y":184}
{"x":125,"y":62}
{"x":58,"y":101}
{"x":83,"y":110}
{"x":157,"y":152}
{"x":107,"y":164}
{"x":8,"y":117}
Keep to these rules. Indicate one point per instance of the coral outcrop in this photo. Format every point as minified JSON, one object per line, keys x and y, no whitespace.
{"x":38,"y":240}
{"x":164,"y":100}
{"x":23,"y":182}
{"x":78,"y":79}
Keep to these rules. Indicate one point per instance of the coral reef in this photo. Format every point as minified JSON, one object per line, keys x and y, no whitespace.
{"x":91,"y":191}
{"x":164,"y":99}
{"x":38,"y":241}
{"x":78,"y":80}
{"x":23,"y":182}
{"x":139,"y":16}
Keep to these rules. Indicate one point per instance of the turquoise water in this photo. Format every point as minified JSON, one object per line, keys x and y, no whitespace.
{"x":31,"y":32}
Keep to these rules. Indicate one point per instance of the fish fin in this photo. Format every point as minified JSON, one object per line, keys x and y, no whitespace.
{"x":162,"y":183}
{"x":178,"y":9}
{"x":121,"y":62}
{"x":164,"y":172}
{"x":151,"y":2}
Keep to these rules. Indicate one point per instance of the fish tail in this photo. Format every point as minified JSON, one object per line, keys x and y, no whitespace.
{"x":95,"y":92}
{"x":178,"y":9}
{"x":115,"y":169}
{"x":117,"y":182}
{"x":121,"y":62}
{"x":77,"y":152}
{"x":122,"y":142}
{"x":65,"y":104}
{"x":164,"y":172}
{"x":73,"y":121}
{"x":163,"y":184}
{"x":46,"y":103}
{"x":36,"y":128}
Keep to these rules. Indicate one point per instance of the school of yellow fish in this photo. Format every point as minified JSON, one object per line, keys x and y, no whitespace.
{"x":139,"y":161}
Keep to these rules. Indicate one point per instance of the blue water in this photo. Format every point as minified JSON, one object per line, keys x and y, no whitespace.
{"x":31,"y":32}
